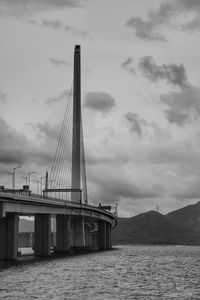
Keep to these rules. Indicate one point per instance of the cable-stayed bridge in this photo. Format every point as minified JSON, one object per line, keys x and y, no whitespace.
{"x":79,"y":225}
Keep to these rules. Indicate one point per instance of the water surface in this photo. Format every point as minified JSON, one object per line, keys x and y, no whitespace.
{"x":128,"y":272}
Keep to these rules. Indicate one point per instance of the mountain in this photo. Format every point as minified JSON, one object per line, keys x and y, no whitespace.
{"x":178,"y":227}
{"x":28,"y":225}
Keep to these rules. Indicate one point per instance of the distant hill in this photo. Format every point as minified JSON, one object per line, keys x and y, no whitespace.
{"x":178,"y":227}
{"x":28,"y":225}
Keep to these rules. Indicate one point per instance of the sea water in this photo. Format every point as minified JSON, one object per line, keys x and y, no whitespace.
{"x":127,"y":272}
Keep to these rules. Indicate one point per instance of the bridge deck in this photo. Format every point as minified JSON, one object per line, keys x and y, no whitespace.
{"x":30,"y":204}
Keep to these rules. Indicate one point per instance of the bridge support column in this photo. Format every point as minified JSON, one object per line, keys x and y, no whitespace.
{"x":42,"y":240}
{"x":108,"y":236}
{"x":62,"y":233}
{"x":102,"y":235}
{"x":88,"y":235}
{"x":77,"y":235}
{"x":9,"y":237}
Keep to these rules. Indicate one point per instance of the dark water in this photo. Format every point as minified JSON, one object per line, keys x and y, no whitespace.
{"x":129,"y":272}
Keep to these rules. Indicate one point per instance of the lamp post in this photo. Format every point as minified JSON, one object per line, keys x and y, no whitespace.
{"x":14,"y":169}
{"x":26,"y":178}
{"x":41,"y":184}
{"x":13,"y":176}
{"x":38,"y":185}
{"x":11,"y":173}
{"x":29,"y":178}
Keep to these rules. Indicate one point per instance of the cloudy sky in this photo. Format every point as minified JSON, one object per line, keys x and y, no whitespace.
{"x":140,"y":95}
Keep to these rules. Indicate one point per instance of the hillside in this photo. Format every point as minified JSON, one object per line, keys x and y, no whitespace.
{"x":181,"y":227}
{"x":178,"y":227}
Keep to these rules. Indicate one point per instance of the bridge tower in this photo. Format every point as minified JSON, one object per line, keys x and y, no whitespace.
{"x":76,"y":139}
{"x":77,"y":224}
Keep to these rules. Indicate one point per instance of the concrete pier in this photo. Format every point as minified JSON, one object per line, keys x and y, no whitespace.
{"x":88,"y":235}
{"x":108,"y":236}
{"x":9,"y":237}
{"x":102,"y":235}
{"x":62,"y":233}
{"x":42,"y":237}
{"x":77,"y":232}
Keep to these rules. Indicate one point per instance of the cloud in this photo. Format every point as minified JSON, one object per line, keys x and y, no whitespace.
{"x":145,"y":29}
{"x":172,"y":73}
{"x":135,"y":122}
{"x":99,"y":101}
{"x":168,"y":15}
{"x":30,"y":7}
{"x":121,"y":185}
{"x":58,"y":62}
{"x":49,"y":130}
{"x":75,"y":32}
{"x":58,"y":25}
{"x":62,"y":96}
{"x":3,"y":97}
{"x":11,"y":151}
{"x":128,"y":65}
{"x":55,"y":24}
{"x":183,"y":106}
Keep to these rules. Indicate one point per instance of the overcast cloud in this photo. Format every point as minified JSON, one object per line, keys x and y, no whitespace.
{"x":172,"y":73}
{"x":3,"y":97}
{"x":183,"y":106}
{"x":128,"y":65}
{"x":166,"y":16}
{"x":29,"y":7}
{"x":58,"y":62}
{"x":99,"y":101}
{"x":140,"y":97}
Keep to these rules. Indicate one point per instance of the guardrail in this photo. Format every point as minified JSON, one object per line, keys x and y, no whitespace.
{"x":28,"y":193}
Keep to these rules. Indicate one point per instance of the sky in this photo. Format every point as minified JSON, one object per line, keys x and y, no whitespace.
{"x":140,"y":96}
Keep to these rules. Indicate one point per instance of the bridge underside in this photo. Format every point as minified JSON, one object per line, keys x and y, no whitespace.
{"x":78,"y":227}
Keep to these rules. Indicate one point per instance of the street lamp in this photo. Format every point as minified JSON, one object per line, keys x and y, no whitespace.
{"x":38,"y":185}
{"x":58,"y":184}
{"x":51,"y":181}
{"x":26,"y":178}
{"x":29,"y":179}
{"x":13,"y":183}
{"x":41,"y":183}
{"x":11,"y":173}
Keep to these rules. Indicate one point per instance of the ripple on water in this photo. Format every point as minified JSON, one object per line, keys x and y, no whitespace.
{"x":130,"y":272}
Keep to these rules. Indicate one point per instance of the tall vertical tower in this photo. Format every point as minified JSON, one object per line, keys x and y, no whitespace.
{"x":76,"y":183}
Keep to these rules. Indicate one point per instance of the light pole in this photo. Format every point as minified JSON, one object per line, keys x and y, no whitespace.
{"x":41,"y":184}
{"x":10,"y":173}
{"x":38,"y":185}
{"x":52,"y":185}
{"x":26,"y":178}
{"x":14,"y":169}
{"x":29,"y":178}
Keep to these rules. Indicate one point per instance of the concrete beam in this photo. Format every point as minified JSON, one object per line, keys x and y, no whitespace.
{"x":62,"y":233}
{"x":42,"y":235}
{"x":32,"y":209}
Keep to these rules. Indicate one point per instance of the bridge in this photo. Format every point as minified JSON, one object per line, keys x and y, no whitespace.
{"x":79,"y":225}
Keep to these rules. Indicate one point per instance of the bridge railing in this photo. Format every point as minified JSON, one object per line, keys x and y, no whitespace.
{"x":27,"y":193}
